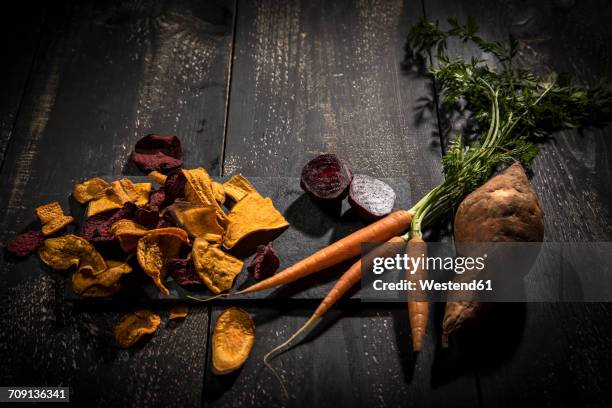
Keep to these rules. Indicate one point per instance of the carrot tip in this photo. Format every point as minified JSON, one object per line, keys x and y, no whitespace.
{"x":271,"y":354}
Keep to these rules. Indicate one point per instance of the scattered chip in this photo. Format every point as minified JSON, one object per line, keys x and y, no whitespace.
{"x":199,"y":221}
{"x":103,"y":284}
{"x":121,"y":192}
{"x":216,"y":268}
{"x":157,"y":177}
{"x":250,"y":215}
{"x":108,"y":201}
{"x":166,"y":220}
{"x":52,"y":218}
{"x":89,"y":190}
{"x":155,"y":248}
{"x":218,"y":192}
{"x":147,"y":216}
{"x":25,"y":243}
{"x":232,"y":340}
{"x":237,"y":187}
{"x":183,"y":273}
{"x":157,"y":197}
{"x":179,"y":312}
{"x":157,"y":152}
{"x":128,"y":233}
{"x":134,"y":327}
{"x":63,"y":252}
{"x":199,"y":191}
{"x":97,"y":228}
{"x":174,"y":187}
{"x":137,"y":193}
{"x":265,"y":263}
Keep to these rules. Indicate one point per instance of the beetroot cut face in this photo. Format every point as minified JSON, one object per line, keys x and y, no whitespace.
{"x":371,"y":198}
{"x":326,"y":178}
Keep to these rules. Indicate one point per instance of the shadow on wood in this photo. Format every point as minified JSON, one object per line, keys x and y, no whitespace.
{"x":482,"y":347}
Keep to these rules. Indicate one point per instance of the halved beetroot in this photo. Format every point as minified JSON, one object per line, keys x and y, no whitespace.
{"x":371,"y":198}
{"x":326,"y":178}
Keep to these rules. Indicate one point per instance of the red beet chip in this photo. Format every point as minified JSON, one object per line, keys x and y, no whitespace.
{"x":157,"y":197}
{"x":183,"y":272}
{"x":157,"y":152}
{"x":265,"y":263}
{"x":97,"y":228}
{"x":156,"y":161}
{"x":147,"y":216}
{"x":326,"y":178}
{"x":371,"y":198}
{"x":174,"y":187}
{"x":25,"y":243}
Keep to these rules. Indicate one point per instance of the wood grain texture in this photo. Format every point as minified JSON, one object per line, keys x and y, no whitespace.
{"x":19,"y":39}
{"x":551,"y":354}
{"x":107,"y":74}
{"x":311,"y":77}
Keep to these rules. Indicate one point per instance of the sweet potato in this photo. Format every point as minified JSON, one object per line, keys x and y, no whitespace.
{"x":504,"y":209}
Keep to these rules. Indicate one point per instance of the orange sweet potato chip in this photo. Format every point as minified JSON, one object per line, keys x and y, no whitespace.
{"x":89,"y":190}
{"x":216,"y":268}
{"x":128,"y":233}
{"x":218,"y":192}
{"x":107,"y":201}
{"x":155,"y":248}
{"x":179,"y":312}
{"x":199,"y":191}
{"x":63,"y":252}
{"x":134,"y":327}
{"x":199,"y":221}
{"x":237,"y":187}
{"x":52,"y":218}
{"x":157,"y":177}
{"x":232,"y":340}
{"x":250,"y":215}
{"x":121,"y":192}
{"x":104,"y":284}
{"x":137,"y":193}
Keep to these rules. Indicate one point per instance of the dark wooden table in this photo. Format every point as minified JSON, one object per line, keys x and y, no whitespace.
{"x":259,"y":87}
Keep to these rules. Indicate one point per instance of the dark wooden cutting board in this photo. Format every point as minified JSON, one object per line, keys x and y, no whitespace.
{"x":312,"y":227}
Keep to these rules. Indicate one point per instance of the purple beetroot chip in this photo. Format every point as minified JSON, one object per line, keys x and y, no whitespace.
{"x":157,"y":197}
{"x":147,"y":216}
{"x":265,"y":263}
{"x":97,"y":228}
{"x":25,"y":243}
{"x":371,"y":198}
{"x":183,"y":272}
{"x":174,"y":187}
{"x":126,"y":212}
{"x":326,"y":178}
{"x":157,"y":152}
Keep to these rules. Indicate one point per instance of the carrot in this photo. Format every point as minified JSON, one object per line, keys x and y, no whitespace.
{"x":341,"y":250}
{"x":418,"y":311}
{"x":343,"y":285}
{"x":346,"y":248}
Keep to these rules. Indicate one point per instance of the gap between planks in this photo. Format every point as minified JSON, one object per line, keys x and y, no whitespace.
{"x":228,"y":89}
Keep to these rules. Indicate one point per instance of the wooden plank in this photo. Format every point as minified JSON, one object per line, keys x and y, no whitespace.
{"x":552,"y":354}
{"x":19,"y":39}
{"x":312,"y":77}
{"x":107,"y":74}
